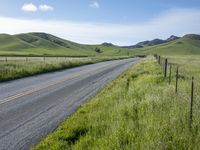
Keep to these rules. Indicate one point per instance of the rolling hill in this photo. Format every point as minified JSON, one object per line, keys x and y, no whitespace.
{"x":186,"y":45}
{"x":50,"y":45}
{"x":47,"y":44}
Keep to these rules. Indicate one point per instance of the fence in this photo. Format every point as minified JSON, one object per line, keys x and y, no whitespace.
{"x":28,"y":58}
{"x":167,"y":74}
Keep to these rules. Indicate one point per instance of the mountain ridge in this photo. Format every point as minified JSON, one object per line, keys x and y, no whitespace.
{"x":152,"y":42}
{"x":189,"y":44}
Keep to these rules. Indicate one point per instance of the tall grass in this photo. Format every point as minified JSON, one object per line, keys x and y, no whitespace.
{"x":18,"y":67}
{"x":139,"y":110}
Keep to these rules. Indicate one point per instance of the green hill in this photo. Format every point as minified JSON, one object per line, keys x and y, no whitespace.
{"x":187,"y":45}
{"x":47,"y":44}
{"x":9,"y":43}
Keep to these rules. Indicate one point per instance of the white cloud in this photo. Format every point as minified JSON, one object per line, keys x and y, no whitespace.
{"x":94,"y":4}
{"x":29,"y":7}
{"x":46,"y":8}
{"x":177,"y":22}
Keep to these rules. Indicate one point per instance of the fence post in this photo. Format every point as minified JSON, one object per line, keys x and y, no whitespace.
{"x":191,"y":103}
{"x":6,"y":59}
{"x":165,"y":68}
{"x":176,"y":90}
{"x":170,"y":73}
{"x":159,"y":59}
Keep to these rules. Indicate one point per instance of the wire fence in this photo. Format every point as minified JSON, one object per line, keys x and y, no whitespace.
{"x":41,"y":59}
{"x":185,"y":87}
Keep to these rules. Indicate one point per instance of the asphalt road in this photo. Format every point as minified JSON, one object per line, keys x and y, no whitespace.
{"x":34,"y":106}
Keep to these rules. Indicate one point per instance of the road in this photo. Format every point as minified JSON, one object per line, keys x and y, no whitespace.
{"x":32,"y":107}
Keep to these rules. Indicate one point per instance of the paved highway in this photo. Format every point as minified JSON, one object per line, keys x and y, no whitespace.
{"x":32,"y":107}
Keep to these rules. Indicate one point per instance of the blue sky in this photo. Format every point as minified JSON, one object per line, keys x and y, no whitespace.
{"x":122,"y":22}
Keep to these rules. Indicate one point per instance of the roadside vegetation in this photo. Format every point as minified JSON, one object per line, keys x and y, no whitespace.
{"x":139,"y":110}
{"x":18,"y":67}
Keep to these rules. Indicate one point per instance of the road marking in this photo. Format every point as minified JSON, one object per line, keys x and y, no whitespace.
{"x":28,"y":92}
{"x":24,"y":93}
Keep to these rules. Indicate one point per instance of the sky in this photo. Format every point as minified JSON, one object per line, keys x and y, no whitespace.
{"x":121,"y":22}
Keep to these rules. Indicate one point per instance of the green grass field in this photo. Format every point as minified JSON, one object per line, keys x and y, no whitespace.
{"x":139,"y":110}
{"x":18,"y":67}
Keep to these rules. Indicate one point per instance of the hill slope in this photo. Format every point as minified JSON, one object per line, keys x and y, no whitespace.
{"x":187,"y":45}
{"x":8,"y":42}
{"x":47,"y":44}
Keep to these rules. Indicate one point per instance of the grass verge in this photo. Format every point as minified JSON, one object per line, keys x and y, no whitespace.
{"x":139,"y":110}
{"x":14,"y":68}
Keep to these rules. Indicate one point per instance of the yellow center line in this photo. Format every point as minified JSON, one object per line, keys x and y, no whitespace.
{"x":28,"y":92}
{"x":33,"y":90}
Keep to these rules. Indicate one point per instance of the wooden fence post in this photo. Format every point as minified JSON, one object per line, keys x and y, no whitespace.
{"x":176,"y":90}
{"x":165,"y":68}
{"x":159,"y":59}
{"x":170,"y":73}
{"x":191,"y":103}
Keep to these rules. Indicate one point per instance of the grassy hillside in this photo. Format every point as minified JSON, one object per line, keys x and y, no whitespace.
{"x":137,"y":111}
{"x":9,"y":43}
{"x":46,"y":44}
{"x":187,"y":45}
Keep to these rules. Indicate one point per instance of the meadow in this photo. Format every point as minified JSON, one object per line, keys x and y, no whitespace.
{"x":18,"y":67}
{"x":138,"y":110}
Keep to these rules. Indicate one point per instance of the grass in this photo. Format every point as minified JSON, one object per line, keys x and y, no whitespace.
{"x":18,"y":67}
{"x":139,"y":110}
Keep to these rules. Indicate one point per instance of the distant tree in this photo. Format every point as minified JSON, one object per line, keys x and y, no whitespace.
{"x":107,"y":44}
{"x":98,"y":50}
